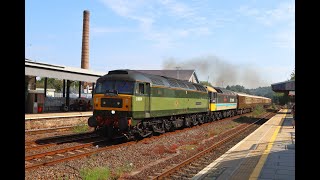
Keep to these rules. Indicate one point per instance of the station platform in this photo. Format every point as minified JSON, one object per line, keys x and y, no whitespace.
{"x":56,"y":115}
{"x":266,"y":154}
{"x":40,"y":121}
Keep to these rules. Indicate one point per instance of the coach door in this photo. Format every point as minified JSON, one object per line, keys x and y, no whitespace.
{"x":147,"y":100}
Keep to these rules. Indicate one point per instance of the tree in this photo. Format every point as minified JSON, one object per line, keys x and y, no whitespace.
{"x":52,"y":83}
{"x":238,"y":88}
{"x":293,"y":75}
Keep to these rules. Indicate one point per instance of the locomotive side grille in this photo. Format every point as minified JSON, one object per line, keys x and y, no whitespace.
{"x":111,"y":102}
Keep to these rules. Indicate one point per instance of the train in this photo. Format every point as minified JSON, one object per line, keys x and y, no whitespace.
{"x":135,"y":105}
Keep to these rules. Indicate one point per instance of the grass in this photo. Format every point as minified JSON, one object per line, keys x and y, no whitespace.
{"x":80,"y":129}
{"x":101,"y":173}
{"x":189,"y":147}
{"x":95,"y":173}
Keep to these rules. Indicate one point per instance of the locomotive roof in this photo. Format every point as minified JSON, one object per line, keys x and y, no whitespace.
{"x":182,"y":74}
{"x":154,"y":80}
{"x":225,"y":91}
{"x":211,"y":89}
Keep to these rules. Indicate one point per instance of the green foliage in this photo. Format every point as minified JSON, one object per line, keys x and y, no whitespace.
{"x":95,"y":173}
{"x":98,"y":173}
{"x":263,"y":91}
{"x":293,"y":75}
{"x":238,"y":88}
{"x":281,"y":98}
{"x":56,"y":84}
{"x":80,"y":128}
{"x":257,"y":111}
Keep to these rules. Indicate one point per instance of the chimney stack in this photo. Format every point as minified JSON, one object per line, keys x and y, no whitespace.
{"x":85,"y":41}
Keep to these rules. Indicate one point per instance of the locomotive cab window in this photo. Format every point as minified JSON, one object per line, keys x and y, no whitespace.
{"x":140,"y":88}
{"x":214,"y":97}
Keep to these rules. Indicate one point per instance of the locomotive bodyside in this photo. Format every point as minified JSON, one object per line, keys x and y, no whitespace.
{"x":223,"y":103}
{"x":128,"y":102}
{"x":227,"y":100}
{"x":166,"y":101}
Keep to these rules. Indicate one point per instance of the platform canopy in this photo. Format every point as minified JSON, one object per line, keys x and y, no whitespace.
{"x":286,"y":87}
{"x":33,"y":68}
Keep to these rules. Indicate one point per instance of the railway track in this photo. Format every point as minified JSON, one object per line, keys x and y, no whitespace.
{"x":74,"y":152}
{"x":79,"y":151}
{"x":190,"y":167}
{"x":51,"y":130}
{"x":51,"y":141}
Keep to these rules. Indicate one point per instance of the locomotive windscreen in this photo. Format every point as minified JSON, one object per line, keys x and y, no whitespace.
{"x":123,"y":87}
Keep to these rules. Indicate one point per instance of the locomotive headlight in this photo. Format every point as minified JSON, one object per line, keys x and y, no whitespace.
{"x":113,"y":112}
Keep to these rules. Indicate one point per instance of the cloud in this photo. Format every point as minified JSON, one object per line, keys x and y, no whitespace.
{"x":178,"y":9}
{"x":281,"y":19}
{"x":284,"y":12}
{"x":123,"y":8}
{"x":149,"y":16}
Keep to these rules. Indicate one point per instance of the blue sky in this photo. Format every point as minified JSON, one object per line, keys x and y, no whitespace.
{"x":244,"y":42}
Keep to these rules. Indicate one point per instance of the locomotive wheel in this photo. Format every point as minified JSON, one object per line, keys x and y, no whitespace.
{"x":167,"y":125}
{"x":142,"y":131}
{"x":224,"y":114}
{"x":200,"y":120}
{"x":158,"y":128}
{"x":218,"y":116}
{"x":187,"y":122}
{"x":102,"y":131}
{"x":194,"y":121}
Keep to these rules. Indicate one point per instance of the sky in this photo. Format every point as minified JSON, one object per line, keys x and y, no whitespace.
{"x":233,"y":42}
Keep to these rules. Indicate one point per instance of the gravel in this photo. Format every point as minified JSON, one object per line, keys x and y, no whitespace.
{"x":143,"y":158}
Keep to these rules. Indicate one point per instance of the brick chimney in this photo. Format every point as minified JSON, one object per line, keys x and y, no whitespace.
{"x":85,"y":41}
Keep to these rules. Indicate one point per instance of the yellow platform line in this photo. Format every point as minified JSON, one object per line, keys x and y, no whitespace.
{"x":255,"y":174}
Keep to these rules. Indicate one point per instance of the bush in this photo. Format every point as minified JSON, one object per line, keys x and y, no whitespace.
{"x":257,"y":111}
